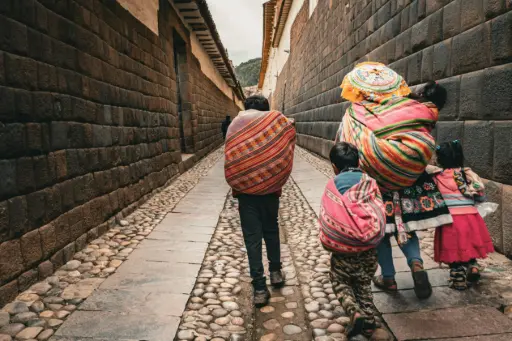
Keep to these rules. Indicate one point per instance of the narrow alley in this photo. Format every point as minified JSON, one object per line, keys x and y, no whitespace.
{"x":176,"y":269}
{"x":133,"y":145}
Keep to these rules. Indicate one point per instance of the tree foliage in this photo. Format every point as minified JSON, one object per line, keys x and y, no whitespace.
{"x":248,"y":73}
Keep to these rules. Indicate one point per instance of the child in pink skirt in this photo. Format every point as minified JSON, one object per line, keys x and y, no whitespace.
{"x":461,"y":243}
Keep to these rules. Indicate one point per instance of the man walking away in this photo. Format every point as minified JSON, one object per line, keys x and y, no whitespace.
{"x":259,"y":158}
{"x":225,"y":126}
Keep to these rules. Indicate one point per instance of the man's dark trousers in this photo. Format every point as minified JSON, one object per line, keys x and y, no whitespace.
{"x":259,"y":219}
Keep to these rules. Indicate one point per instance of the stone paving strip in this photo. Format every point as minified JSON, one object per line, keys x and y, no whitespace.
{"x":38,"y":312}
{"x":221,"y":304}
{"x":471,"y":315}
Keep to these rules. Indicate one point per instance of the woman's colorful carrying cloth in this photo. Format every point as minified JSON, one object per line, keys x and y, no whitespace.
{"x":421,"y":207}
{"x":259,"y":152}
{"x":354,"y":221}
{"x":393,"y":137}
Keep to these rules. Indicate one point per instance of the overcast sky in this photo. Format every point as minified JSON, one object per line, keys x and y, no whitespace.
{"x":240,"y":25}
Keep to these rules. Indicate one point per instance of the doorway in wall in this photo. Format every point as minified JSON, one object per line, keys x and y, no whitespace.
{"x":180,"y":64}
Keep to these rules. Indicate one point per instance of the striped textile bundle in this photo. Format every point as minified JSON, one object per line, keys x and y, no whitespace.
{"x":259,"y":152}
{"x":393,"y":137}
{"x":354,"y":221}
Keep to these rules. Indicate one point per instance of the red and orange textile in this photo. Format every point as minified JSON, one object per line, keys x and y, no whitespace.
{"x":393,"y":137}
{"x":259,"y":152}
{"x":354,"y":221}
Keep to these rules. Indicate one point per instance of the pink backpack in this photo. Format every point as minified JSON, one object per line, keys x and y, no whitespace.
{"x":355,"y":221}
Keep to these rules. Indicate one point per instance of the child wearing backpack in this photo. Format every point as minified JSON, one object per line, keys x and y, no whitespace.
{"x":352,"y":223}
{"x":461,"y":243}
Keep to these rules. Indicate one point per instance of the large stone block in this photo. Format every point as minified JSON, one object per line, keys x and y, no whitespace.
{"x":450,"y":111}
{"x":8,"y":176}
{"x":59,"y":135}
{"x":434,"y":5}
{"x":46,"y":77}
{"x":414,"y":68}
{"x":464,"y":60}
{"x":25,"y":175}
{"x":43,"y":104}
{"x":496,"y":94}
{"x":435,"y":27}
{"x":7,"y":105}
{"x":478,"y":147}
{"x":12,"y":140}
{"x":441,"y":60}
{"x":34,"y":137}
{"x":11,"y":260}
{"x":471,"y":105}
{"x":53,"y":203}
{"x":4,"y":221}
{"x":507,"y":220}
{"x":501,"y":39}
{"x":48,"y":240}
{"x":36,"y":203}
{"x":451,"y":19}
{"x":494,"y":194}
{"x":493,"y":8}
{"x":21,"y":72}
{"x":403,"y":45}
{"x":31,"y":248}
{"x":503,"y":152}
{"x":8,"y":292}
{"x":27,"y":279}
{"x":18,"y":212}
{"x":472,"y":14}
{"x":449,"y":131}
{"x":419,"y":35}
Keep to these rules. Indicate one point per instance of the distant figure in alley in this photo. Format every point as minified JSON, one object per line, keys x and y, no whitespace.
{"x":225,"y":126}
{"x":259,"y":157}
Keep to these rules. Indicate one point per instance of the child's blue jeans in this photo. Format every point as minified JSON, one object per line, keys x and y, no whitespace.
{"x":411,"y":250}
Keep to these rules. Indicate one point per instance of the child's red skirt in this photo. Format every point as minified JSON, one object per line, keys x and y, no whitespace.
{"x":465,"y":239}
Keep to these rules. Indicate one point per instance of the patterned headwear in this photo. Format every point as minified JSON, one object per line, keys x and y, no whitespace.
{"x":374,"y":82}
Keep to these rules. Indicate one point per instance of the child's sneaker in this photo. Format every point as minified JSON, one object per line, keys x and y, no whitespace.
{"x":422,"y":286}
{"x":473,"y":273}
{"x":458,"y":279}
{"x":261,"y":297}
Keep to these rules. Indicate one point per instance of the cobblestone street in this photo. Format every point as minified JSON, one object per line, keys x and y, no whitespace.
{"x":176,"y":268}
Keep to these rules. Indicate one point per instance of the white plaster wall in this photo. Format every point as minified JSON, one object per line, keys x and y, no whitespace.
{"x":145,"y":11}
{"x":278,"y":56}
{"x":209,"y":69}
{"x":312,"y":6}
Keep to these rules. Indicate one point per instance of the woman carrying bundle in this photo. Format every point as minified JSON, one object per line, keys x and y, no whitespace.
{"x":392,"y":130}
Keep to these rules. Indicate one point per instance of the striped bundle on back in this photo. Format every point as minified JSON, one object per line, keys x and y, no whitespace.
{"x":354,"y":221}
{"x":259,"y":152}
{"x":393,"y":137}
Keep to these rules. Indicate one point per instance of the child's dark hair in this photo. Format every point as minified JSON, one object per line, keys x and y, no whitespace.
{"x":431,"y":92}
{"x":450,"y":155}
{"x":257,"y":102}
{"x":344,"y":155}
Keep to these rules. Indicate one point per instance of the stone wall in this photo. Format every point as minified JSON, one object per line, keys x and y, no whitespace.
{"x":88,"y":125}
{"x":465,"y":44}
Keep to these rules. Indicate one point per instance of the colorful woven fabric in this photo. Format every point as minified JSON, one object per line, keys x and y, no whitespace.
{"x":393,"y":138}
{"x":418,"y":207}
{"x":460,"y":192}
{"x":373,"y":81}
{"x":354,"y":221}
{"x":259,"y":152}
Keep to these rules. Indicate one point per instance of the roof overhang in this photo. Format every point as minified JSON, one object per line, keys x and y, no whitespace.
{"x":198,"y":17}
{"x":269,"y":9}
{"x":282,"y":11}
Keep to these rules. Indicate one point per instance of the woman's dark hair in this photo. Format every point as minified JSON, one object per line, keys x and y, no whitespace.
{"x":257,"y":102}
{"x":432,"y":92}
{"x":344,"y":155}
{"x":450,"y":155}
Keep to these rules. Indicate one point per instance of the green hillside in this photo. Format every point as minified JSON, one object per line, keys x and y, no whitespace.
{"x":248,"y":72}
